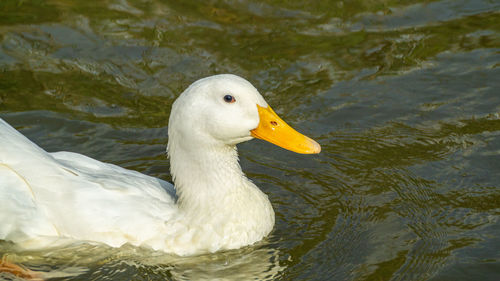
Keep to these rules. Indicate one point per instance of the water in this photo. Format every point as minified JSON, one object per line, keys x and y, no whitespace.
{"x":402,"y":95}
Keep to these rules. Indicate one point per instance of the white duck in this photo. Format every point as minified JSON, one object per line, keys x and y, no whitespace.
{"x":46,"y":197}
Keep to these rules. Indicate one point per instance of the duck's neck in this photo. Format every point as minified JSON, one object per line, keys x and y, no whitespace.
{"x":204,"y":174}
{"x":212,"y":189}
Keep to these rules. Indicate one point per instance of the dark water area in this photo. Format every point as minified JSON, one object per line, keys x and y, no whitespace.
{"x":403,"y":96}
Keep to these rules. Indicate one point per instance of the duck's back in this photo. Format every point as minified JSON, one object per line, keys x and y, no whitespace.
{"x":69,"y":195}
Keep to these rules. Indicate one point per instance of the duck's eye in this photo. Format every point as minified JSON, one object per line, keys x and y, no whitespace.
{"x":229,"y":99}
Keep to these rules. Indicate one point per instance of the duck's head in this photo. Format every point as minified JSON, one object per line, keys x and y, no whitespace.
{"x":226,"y":109}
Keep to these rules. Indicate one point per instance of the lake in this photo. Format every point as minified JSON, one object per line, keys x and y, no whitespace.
{"x":403,"y":96}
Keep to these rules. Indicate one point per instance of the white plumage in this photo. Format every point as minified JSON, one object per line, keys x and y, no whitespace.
{"x":46,"y":197}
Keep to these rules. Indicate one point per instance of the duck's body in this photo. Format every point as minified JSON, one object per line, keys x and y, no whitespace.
{"x":46,"y":195}
{"x":52,"y":196}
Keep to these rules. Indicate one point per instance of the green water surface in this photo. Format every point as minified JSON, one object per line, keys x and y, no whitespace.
{"x":403,"y":96}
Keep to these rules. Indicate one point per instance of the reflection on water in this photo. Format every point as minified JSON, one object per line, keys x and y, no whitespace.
{"x":89,"y":261}
{"x":402,"y":95}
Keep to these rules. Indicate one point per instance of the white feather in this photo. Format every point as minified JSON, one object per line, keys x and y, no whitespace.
{"x":46,"y":197}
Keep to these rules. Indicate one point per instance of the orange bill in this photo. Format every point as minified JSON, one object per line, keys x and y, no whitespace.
{"x":273,"y":129}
